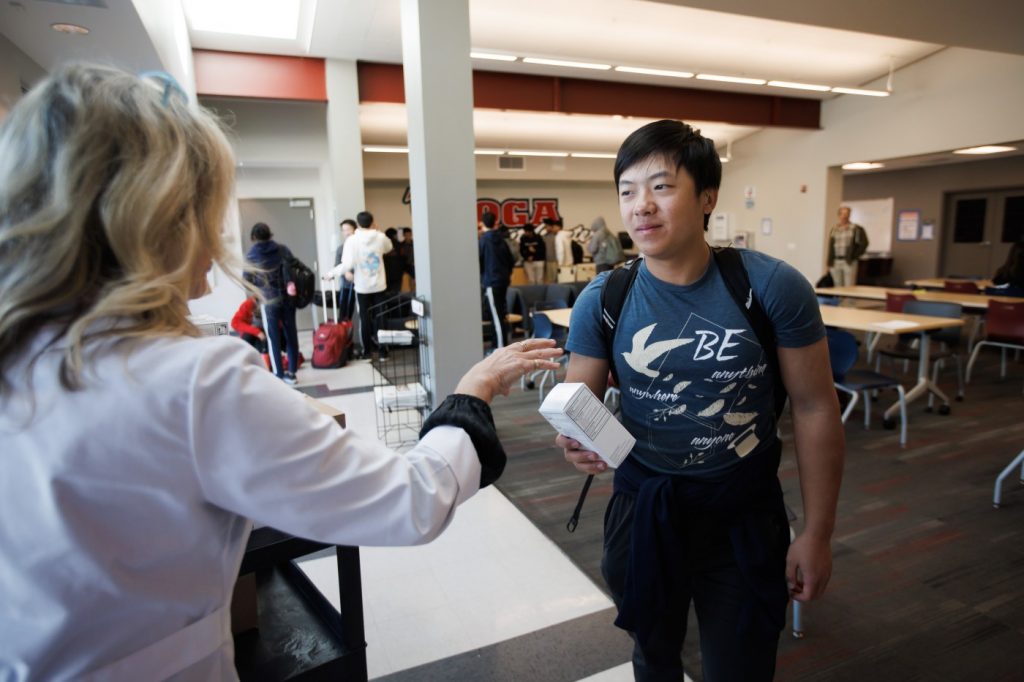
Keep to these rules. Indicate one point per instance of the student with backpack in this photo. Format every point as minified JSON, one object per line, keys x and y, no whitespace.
{"x":704,"y":344}
{"x":271,"y":276}
{"x":604,"y":247}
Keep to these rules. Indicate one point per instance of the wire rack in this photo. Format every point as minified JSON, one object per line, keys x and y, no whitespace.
{"x":401,"y":382}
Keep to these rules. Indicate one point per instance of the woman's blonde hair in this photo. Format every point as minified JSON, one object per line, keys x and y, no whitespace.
{"x":113,"y":195}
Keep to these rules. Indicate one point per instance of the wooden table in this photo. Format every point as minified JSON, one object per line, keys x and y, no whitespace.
{"x":882,"y":322}
{"x":940,"y":282}
{"x":973,"y":302}
{"x":558,"y":316}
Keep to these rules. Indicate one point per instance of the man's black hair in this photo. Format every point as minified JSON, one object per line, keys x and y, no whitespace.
{"x":529,"y":227}
{"x":349,"y":221}
{"x":489,"y":220}
{"x":364,"y":219}
{"x":406,"y":230}
{"x":680,"y":144}
{"x":260,"y":232}
{"x":391,"y":233}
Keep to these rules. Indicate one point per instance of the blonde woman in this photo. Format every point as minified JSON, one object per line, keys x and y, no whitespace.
{"x":134,"y":451}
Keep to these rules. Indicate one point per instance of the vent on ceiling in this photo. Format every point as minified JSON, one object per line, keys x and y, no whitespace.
{"x":512,"y":163}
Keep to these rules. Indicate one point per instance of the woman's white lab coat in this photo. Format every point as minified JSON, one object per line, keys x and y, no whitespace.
{"x":125,"y":506}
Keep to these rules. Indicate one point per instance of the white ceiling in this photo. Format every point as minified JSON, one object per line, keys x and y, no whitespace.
{"x":662,"y":34}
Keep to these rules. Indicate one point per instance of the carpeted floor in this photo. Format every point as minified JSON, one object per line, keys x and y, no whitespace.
{"x":928,"y":578}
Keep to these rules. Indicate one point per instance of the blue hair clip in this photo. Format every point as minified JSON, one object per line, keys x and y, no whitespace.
{"x":170,"y":84}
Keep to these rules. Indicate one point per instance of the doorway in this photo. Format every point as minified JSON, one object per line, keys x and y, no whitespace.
{"x":982,"y":227}
{"x":293,"y":223}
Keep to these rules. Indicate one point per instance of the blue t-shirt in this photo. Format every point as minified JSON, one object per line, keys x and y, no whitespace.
{"x":691,"y":371}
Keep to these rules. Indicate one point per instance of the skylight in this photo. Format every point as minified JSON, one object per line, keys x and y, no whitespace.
{"x":260,"y":18}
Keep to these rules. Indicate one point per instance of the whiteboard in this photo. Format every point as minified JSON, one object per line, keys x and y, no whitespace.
{"x":875,"y":216}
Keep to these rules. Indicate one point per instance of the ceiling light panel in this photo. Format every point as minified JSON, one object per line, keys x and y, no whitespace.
{"x":492,"y":56}
{"x":386,"y":150}
{"x":260,"y":18}
{"x":859,"y":91}
{"x":799,"y":86}
{"x":561,"y":62}
{"x":862,"y":165}
{"x":731,"y":79}
{"x":520,"y":152}
{"x":985,"y":149}
{"x":655,"y":72}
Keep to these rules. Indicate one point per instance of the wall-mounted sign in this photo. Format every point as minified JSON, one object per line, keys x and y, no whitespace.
{"x":907,"y":225}
{"x":517,"y":212}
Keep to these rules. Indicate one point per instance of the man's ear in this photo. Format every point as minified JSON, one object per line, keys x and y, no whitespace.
{"x":709,"y":199}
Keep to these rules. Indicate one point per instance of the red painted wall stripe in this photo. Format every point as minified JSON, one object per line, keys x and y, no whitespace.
{"x":494,"y":90}
{"x":264,"y":76}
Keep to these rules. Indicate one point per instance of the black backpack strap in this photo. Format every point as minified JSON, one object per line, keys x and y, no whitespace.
{"x":613,"y":297}
{"x":730,"y":264}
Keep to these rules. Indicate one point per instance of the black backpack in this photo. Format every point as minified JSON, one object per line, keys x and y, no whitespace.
{"x":297,"y":272}
{"x":616,"y":288}
{"x":577,"y":252}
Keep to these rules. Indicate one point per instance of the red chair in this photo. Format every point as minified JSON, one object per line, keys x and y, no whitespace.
{"x":960,"y":286}
{"x":1004,"y":329}
{"x":894,"y":302}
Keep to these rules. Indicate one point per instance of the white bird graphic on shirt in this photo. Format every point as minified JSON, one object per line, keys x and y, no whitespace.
{"x":642,"y":355}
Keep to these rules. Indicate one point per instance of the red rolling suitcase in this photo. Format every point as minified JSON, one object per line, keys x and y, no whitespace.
{"x":332,"y":341}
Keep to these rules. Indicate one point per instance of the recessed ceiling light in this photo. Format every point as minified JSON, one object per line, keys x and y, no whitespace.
{"x":592,"y":155}
{"x":387,"y":150}
{"x":985,"y":149}
{"x":561,"y":62}
{"x":261,"y":18}
{"x":859,"y":91}
{"x":489,"y":152}
{"x":654,"y":72}
{"x":70,"y":29}
{"x":492,"y":56}
{"x":799,"y":86}
{"x":731,"y":79}
{"x":862,"y":165}
{"x":536,"y":153}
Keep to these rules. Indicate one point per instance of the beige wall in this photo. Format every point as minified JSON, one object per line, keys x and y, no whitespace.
{"x":956,"y":98}
{"x":925,"y":189}
{"x":16,"y":69}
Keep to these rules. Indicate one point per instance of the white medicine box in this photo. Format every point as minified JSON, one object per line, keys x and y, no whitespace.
{"x":575,"y":411}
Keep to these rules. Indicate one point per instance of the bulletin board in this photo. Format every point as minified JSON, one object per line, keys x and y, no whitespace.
{"x":875,"y":216}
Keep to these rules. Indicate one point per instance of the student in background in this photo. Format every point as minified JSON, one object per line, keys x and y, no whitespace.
{"x":136,"y":452}
{"x":362,"y":263}
{"x":347,"y":295}
{"x":242,"y":322}
{"x":534,"y":254}
{"x":1011,"y":273}
{"x":551,"y":230}
{"x":604,"y":247}
{"x":496,"y":263}
{"x":269,"y":257}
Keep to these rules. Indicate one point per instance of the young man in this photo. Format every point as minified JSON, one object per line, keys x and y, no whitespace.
{"x":347,"y":295}
{"x":362,"y":263}
{"x":496,"y":261}
{"x":279,"y":311}
{"x":534,"y":253}
{"x":551,"y":230}
{"x":847,"y":242}
{"x":697,"y":513}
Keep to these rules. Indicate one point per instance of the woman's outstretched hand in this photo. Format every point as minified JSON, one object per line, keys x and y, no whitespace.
{"x":496,"y":373}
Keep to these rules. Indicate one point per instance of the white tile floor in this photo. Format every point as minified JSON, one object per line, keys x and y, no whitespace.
{"x":491,"y":576}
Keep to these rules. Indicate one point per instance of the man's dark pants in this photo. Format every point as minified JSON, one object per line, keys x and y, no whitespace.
{"x":281,"y":315}
{"x":497,"y":306}
{"x":714,"y":584}
{"x":367,"y":319}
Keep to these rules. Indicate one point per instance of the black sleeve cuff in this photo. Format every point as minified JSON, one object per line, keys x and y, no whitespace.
{"x":473,"y":416}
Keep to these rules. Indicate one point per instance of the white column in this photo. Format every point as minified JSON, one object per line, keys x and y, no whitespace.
{"x":442,"y":177}
{"x":344,"y":143}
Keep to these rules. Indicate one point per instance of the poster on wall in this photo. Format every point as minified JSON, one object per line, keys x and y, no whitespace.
{"x":908,"y":225}
{"x":928,"y":230}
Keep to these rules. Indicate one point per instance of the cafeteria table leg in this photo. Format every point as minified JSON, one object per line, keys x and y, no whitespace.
{"x":997,"y":494}
{"x":924,"y":383}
